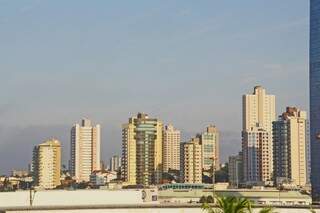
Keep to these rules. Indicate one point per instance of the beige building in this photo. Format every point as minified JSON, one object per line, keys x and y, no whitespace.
{"x":142,"y":150}
{"x":210,"y":148}
{"x":192,"y":161}
{"x":258,"y":115}
{"x":257,"y":157}
{"x":171,"y":148}
{"x":114,"y":163}
{"x":85,"y":150}
{"x":47,"y":164}
{"x":128,"y":160}
{"x":290,"y":144}
{"x":259,"y":110}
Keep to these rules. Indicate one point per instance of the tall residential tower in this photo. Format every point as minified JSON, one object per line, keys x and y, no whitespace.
{"x":191,"y":165}
{"x":47,"y":164}
{"x":171,"y":148}
{"x":210,"y":148}
{"x":258,"y":114}
{"x":290,"y":148}
{"x":85,"y":150}
{"x":142,"y":150}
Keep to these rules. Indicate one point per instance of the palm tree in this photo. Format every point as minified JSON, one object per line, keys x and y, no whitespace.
{"x":232,"y":205}
{"x":266,"y":210}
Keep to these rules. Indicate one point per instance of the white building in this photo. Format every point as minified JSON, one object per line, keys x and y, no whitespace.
{"x":171,"y":148}
{"x":101,"y":178}
{"x":85,"y":150}
{"x":258,"y":115}
{"x":115,"y":163}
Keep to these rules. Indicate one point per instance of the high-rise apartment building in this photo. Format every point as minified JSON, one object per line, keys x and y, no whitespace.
{"x":210,"y":148}
{"x":235,"y":170}
{"x":314,"y":76}
{"x":47,"y":164}
{"x":129,"y":153}
{"x":171,"y":148}
{"x":115,"y":163}
{"x":259,"y":110}
{"x":85,"y":150}
{"x":191,"y":165}
{"x":258,"y":115}
{"x":142,"y":150}
{"x":290,"y":147}
{"x":257,"y":156}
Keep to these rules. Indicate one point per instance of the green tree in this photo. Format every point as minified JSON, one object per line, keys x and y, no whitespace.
{"x":210,"y":199}
{"x":232,"y":205}
{"x":266,"y":210}
{"x":203,"y":199}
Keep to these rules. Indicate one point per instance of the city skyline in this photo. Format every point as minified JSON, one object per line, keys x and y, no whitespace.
{"x":103,"y":159}
{"x":280,"y":51}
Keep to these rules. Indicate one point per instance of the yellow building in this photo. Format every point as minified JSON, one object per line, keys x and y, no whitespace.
{"x":290,"y":144}
{"x":128,"y":161}
{"x":47,"y":164}
{"x":192,"y":161}
{"x":142,"y":150}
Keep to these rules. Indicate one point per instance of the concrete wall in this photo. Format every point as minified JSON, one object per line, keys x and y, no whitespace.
{"x":70,"y":198}
{"x":155,"y":210}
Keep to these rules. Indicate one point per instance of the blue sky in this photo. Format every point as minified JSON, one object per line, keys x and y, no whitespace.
{"x":185,"y":62}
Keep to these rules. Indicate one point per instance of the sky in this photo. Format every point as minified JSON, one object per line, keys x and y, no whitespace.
{"x":185,"y":62}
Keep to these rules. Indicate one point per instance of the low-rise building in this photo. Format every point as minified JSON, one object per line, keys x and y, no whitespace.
{"x":19,"y":173}
{"x":186,"y":193}
{"x":101,"y":178}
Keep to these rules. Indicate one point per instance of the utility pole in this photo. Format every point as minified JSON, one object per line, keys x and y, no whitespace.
{"x":213,"y":177}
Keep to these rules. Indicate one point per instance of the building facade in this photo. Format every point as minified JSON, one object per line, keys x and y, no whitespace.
{"x":315,"y":97}
{"x":101,"y":178}
{"x":129,"y":153}
{"x":259,"y":110}
{"x":235,"y":170}
{"x":257,"y":157}
{"x":85,"y":150}
{"x":210,"y":148}
{"x":290,"y":147}
{"x":47,"y":164}
{"x":115,"y":163}
{"x":171,"y":148}
{"x":258,"y":115}
{"x":142,"y":150}
{"x":191,"y":166}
